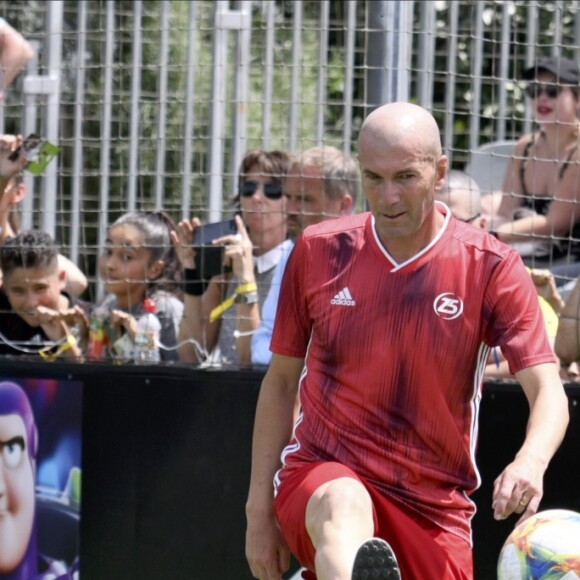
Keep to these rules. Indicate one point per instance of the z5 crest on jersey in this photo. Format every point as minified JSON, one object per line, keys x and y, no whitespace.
{"x":448,"y":306}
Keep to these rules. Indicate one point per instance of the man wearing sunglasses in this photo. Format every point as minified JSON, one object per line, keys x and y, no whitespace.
{"x":539,"y":211}
{"x":321,"y":184}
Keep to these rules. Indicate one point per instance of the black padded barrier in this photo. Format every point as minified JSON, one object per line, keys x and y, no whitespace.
{"x":166,"y":460}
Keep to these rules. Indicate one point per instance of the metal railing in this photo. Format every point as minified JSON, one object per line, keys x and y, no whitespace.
{"x":155,"y":103}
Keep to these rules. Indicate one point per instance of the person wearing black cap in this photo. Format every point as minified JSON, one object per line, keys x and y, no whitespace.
{"x":565,"y":70}
{"x":541,"y":201}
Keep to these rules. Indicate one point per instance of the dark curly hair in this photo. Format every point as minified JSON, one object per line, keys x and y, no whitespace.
{"x":29,"y":249}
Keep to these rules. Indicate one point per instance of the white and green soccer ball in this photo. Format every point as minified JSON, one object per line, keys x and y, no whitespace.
{"x":544,"y":547}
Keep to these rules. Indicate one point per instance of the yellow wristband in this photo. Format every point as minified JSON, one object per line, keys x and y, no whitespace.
{"x":50,"y":354}
{"x":228,"y":302}
{"x":246,"y":288}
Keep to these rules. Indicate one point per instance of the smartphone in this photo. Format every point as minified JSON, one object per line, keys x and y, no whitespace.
{"x":209,"y":259}
{"x":39,"y":153}
{"x":28,"y":144}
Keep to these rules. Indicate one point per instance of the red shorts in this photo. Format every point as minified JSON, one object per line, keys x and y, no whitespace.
{"x":424,"y":550}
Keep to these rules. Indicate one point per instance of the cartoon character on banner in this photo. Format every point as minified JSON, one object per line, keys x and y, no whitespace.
{"x":19,"y":559}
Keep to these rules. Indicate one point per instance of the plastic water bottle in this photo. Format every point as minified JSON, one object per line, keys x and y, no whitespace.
{"x":147,"y":335}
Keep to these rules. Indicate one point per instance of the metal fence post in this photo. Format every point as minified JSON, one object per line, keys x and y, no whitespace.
{"x":49,"y":85}
{"x":388,"y":52}
{"x":224,"y":20}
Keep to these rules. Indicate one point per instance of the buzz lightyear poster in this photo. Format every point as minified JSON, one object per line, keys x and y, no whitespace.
{"x":40,"y":478}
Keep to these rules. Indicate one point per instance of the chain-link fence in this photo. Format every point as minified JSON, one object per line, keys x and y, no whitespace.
{"x":153,"y":104}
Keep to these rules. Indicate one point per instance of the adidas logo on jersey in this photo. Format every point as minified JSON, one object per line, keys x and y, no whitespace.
{"x":343,"y":298}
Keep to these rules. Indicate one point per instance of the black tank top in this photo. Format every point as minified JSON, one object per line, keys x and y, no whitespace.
{"x":541,"y":205}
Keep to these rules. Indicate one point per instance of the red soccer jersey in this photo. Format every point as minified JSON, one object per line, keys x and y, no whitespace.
{"x":395,"y":355}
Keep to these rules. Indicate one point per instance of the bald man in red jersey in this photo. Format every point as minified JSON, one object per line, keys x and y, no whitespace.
{"x":384,"y":324}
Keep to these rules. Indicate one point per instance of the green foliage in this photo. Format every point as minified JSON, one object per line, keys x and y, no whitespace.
{"x":29,"y":17}
{"x":489,"y":78}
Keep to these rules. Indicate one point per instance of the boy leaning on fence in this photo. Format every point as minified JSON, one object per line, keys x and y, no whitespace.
{"x":35,"y":314}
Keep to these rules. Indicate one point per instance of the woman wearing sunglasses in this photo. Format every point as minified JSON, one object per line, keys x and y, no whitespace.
{"x":541,"y":192}
{"x":222,"y":314}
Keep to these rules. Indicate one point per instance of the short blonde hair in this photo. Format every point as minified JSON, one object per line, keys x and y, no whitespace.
{"x":339,"y":171}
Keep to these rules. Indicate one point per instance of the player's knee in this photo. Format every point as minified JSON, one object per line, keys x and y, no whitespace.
{"x":341,"y":502}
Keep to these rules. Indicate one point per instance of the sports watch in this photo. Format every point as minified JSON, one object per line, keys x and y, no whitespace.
{"x":247,"y":298}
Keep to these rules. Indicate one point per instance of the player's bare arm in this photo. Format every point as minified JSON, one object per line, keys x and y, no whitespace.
{"x":519,"y":488}
{"x":266,"y":551}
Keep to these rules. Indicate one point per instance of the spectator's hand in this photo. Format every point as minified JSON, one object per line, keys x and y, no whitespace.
{"x":54,"y":325}
{"x":182,"y":242}
{"x":52,"y":322}
{"x":8,"y":145}
{"x":119,"y":319}
{"x":543,"y":279}
{"x":546,"y":287}
{"x":518,"y":489}
{"x":76,"y":316}
{"x":238,"y":253}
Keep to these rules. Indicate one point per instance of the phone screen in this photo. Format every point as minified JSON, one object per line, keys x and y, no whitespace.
{"x":209,"y":258}
{"x":39,"y":153}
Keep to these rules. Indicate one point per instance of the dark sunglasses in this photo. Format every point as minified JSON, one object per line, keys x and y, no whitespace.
{"x":534,"y":90}
{"x":271,"y":190}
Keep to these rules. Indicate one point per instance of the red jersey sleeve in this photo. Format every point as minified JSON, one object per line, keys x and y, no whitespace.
{"x":292,"y":325}
{"x":516,"y":324}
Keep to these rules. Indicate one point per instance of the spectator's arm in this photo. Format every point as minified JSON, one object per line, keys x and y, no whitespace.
{"x":7,"y":202}
{"x":76,"y":281}
{"x":567,"y":345}
{"x":546,"y":287}
{"x":11,"y":190}
{"x":238,"y":255}
{"x":247,"y":320}
{"x":15,"y":52}
{"x":512,"y":187}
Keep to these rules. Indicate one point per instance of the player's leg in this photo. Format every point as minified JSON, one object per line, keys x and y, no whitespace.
{"x":339,"y":518}
{"x":423,"y":550}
